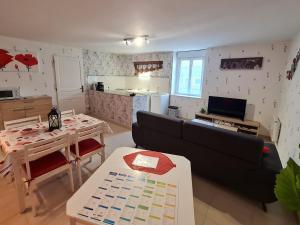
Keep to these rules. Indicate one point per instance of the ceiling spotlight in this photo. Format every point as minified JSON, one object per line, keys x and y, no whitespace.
{"x":128,"y":41}
{"x":147,"y":40}
{"x":138,"y":41}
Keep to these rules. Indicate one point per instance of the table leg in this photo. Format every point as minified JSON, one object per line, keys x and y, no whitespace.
{"x":72,"y":221}
{"x":18,"y":181}
{"x":103,"y":153}
{"x":102,"y":138}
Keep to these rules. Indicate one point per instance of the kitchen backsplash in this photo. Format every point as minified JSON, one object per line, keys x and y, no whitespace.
{"x":117,"y":71}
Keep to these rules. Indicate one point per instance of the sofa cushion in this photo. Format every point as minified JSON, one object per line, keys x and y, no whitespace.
{"x":239,"y":145}
{"x":160,"y":123}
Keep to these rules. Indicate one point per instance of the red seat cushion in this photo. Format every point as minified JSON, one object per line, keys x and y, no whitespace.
{"x":86,"y":146}
{"x":46,"y":164}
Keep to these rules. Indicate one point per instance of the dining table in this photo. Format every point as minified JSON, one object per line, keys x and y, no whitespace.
{"x":13,"y":143}
{"x":136,"y":186}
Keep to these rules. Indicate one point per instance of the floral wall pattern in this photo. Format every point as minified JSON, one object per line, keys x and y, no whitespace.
{"x":289,"y":111}
{"x":98,"y":63}
{"x":108,"y":64}
{"x":34,"y":83}
{"x":260,"y":87}
{"x":117,"y":71}
{"x":120,"y":109}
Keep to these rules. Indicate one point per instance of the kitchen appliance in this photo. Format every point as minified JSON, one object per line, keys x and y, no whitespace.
{"x":100,"y":86}
{"x":9,"y":93}
{"x":173,"y":111}
{"x":159,"y":103}
{"x":231,"y":107}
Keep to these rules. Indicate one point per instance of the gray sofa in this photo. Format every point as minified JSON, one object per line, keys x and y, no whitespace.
{"x":233,"y":159}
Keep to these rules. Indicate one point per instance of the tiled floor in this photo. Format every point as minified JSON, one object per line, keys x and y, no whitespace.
{"x":214,"y":204}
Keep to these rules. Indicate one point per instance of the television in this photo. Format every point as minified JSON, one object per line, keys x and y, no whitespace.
{"x":231,"y":107}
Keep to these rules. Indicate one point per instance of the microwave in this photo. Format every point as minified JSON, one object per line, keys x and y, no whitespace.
{"x":9,"y":93}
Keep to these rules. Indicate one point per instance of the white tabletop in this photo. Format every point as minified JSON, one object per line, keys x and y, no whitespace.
{"x":181,"y":173}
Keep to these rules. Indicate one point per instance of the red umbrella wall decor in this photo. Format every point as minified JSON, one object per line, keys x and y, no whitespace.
{"x":5,"y":58}
{"x":27,"y":59}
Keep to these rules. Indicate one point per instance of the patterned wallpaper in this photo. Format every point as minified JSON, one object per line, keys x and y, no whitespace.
{"x":107,"y":64}
{"x":260,"y":87}
{"x":38,"y":83}
{"x":166,"y":57}
{"x":117,"y":71}
{"x":120,"y":109}
{"x":289,"y":111}
{"x":98,"y":63}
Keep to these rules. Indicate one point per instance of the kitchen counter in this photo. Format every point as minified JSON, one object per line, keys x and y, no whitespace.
{"x":121,"y":92}
{"x":117,"y":106}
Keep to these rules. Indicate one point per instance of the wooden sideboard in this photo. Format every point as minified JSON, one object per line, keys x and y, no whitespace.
{"x":243,"y":126}
{"x":24,"y":107}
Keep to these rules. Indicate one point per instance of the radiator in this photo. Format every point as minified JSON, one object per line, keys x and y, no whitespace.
{"x":275,"y":129}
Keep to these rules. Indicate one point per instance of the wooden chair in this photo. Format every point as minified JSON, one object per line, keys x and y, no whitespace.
{"x":86,"y":146}
{"x":45,"y":159}
{"x":22,"y":122}
{"x":68,"y":113}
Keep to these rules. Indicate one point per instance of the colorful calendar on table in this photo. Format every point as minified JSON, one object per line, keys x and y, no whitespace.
{"x":132,"y":198}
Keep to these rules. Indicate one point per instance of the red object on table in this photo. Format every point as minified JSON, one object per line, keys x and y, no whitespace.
{"x":164,"y":164}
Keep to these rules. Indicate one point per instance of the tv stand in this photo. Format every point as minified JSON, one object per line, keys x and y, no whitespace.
{"x":243,"y":126}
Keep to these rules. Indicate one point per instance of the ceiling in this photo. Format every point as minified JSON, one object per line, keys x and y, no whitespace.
{"x":171,"y":24}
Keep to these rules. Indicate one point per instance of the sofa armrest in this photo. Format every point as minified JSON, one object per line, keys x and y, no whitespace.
{"x":271,"y":160}
{"x":137,"y":134}
{"x":134,"y":125}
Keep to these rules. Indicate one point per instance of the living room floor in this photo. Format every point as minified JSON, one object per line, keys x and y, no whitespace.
{"x":214,"y":204}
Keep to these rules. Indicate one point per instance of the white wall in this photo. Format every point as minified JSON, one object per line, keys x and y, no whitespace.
{"x":289,"y":110}
{"x":259,"y":87}
{"x":42,"y":82}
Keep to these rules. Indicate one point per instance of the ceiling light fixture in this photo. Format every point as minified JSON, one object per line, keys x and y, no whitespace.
{"x":138,"y":41}
{"x":128,"y":41}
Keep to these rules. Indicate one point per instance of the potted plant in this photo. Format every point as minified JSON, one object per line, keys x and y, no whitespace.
{"x":287,"y":188}
{"x":203,"y":110}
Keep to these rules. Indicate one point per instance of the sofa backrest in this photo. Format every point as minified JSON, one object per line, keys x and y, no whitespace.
{"x":160,"y":123}
{"x":239,"y":145}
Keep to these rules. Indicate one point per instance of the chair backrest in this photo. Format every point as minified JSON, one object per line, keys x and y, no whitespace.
{"x":88,"y":132}
{"x":68,"y":113}
{"x":39,"y":149}
{"x":22,"y":122}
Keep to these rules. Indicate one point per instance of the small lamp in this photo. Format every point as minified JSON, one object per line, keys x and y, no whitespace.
{"x":54,"y":119}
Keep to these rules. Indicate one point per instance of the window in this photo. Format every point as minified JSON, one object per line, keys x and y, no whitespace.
{"x":189,"y":74}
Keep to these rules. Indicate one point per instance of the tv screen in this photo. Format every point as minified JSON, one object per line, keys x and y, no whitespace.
{"x":231,"y":107}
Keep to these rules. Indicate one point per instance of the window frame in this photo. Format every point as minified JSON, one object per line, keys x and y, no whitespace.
{"x":178,"y":67}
